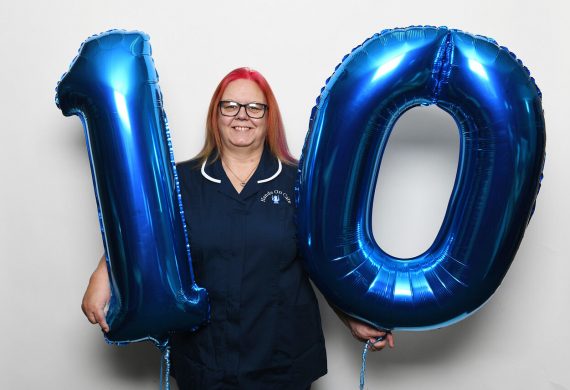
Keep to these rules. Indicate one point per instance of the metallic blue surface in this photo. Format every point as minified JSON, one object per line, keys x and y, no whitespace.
{"x":113,"y":86}
{"x":498,"y":111}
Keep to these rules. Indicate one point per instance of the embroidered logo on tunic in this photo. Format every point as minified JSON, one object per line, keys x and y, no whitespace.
{"x":275,"y":196}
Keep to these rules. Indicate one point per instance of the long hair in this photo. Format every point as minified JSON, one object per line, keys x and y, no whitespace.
{"x":275,"y":137}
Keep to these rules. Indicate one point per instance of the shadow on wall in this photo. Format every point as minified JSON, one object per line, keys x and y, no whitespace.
{"x":137,"y":364}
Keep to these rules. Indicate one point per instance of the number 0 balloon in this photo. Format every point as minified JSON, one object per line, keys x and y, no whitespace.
{"x":498,"y":111}
{"x":113,"y":86}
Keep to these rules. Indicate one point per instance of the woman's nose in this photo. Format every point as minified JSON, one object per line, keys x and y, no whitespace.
{"x":242,"y":114}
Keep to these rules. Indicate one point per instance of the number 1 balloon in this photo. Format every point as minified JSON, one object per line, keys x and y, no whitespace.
{"x":497,"y":108}
{"x":112,"y":86}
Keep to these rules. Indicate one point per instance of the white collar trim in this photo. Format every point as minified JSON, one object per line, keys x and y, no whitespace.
{"x":274,"y":175}
{"x":218,"y":181}
{"x":203,"y":170}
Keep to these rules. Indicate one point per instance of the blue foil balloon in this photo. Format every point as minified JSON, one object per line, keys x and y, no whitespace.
{"x":112,"y":86}
{"x":497,"y":108}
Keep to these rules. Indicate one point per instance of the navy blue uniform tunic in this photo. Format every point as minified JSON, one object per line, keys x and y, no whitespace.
{"x":265,"y":328}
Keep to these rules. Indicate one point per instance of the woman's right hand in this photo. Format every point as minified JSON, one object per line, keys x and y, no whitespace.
{"x":97,"y":296}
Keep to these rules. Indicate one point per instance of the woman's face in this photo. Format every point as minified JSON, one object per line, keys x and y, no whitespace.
{"x":241,"y":131}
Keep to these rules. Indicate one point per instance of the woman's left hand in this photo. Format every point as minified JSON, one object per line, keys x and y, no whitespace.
{"x":364,"y":332}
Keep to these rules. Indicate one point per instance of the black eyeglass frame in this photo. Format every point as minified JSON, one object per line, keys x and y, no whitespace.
{"x":265,"y":107}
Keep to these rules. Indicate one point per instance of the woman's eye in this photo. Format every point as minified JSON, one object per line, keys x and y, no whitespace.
{"x":230,"y":106}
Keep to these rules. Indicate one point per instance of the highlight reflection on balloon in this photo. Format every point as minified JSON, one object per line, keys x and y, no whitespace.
{"x":112,"y":86}
{"x":498,"y":111}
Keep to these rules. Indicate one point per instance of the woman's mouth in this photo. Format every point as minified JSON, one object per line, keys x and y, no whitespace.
{"x":241,"y":128}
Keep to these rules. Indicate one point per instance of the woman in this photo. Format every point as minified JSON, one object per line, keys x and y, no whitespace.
{"x":265,"y":328}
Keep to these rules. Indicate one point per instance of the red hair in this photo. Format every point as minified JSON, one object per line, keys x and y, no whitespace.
{"x":275,"y":137}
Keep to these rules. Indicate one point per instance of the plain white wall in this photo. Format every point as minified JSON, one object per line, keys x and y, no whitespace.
{"x":50,"y":237}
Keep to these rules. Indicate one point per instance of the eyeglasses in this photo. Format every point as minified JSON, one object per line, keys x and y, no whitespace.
{"x":253,"y":110}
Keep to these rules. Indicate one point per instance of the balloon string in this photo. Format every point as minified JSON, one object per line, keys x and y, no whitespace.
{"x":367,"y":346}
{"x":165,"y":366}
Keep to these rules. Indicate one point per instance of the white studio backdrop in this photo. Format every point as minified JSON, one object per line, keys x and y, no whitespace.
{"x":50,"y":238}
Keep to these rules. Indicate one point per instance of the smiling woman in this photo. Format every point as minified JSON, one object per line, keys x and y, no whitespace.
{"x":245,"y":252}
{"x":242,"y":128}
{"x":275,"y":136}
